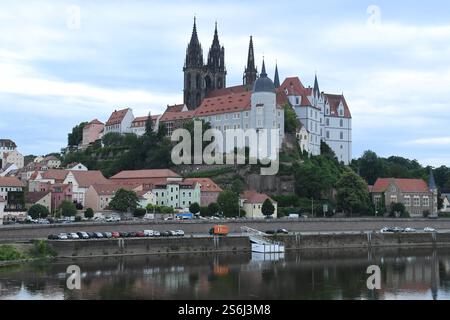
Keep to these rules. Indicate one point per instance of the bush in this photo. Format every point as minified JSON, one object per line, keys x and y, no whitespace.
{"x":68,"y":208}
{"x":204,"y":211}
{"x":9,"y":253}
{"x":77,"y":219}
{"x":139,"y":212}
{"x":194,"y":208}
{"x":426,"y":213}
{"x":399,"y":209}
{"x":38,"y":211}
{"x":89,"y":213}
{"x":41,"y":249}
{"x":213,"y":209}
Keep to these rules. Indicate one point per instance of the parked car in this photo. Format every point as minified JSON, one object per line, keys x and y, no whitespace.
{"x":149,"y":233}
{"x":156,"y":233}
{"x":62,"y":236}
{"x":140,"y":234}
{"x":73,"y":235}
{"x":282,"y":231}
{"x":132,"y":234}
{"x":115,"y":234}
{"x":410,"y":230}
{"x":165,"y":234}
{"x":91,"y":235}
{"x":271,"y":232}
{"x":107,"y":234}
{"x":387,"y":230}
{"x":83,"y":235}
{"x":113,"y":219}
{"x":52,"y":237}
{"x":398,"y":230}
{"x":429,"y":229}
{"x":179,"y":233}
{"x":43,"y":221}
{"x":98,"y":235}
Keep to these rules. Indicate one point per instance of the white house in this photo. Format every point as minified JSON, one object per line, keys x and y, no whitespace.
{"x":120,"y":122}
{"x":77,"y":167}
{"x":81,"y":181}
{"x":138,"y":124}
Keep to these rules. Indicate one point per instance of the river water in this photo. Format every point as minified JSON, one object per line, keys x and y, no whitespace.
{"x":324,"y":274}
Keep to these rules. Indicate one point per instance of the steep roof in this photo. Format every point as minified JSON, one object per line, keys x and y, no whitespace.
{"x":10,"y":182}
{"x":87,"y":178}
{"x":143,"y":174}
{"x":55,"y":174}
{"x":175,"y":108}
{"x":117,"y":117}
{"x":206,"y":184}
{"x":405,"y":185}
{"x":252,"y":196}
{"x":293,"y":86}
{"x":95,"y":121}
{"x":33,"y":197}
{"x":172,"y":116}
{"x":224,"y":104}
{"x":334,"y":100}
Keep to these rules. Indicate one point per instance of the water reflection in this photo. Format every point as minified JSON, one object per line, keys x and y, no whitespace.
{"x":325,"y":274}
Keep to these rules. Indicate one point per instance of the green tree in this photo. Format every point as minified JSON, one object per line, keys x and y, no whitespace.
{"x":204,"y":211}
{"x":124,"y":201}
{"x":149,"y":125}
{"x":112,"y":138}
{"x":398,"y":209}
{"x":267,"y":208}
{"x":312,"y":180}
{"x":76,"y":136}
{"x":237,"y":186}
{"x":228,"y":202}
{"x":290,"y":119}
{"x":370,"y":167}
{"x":194,"y":208}
{"x":352,"y":193}
{"x":68,"y":208}
{"x":38,"y":211}
{"x":89,"y":213}
{"x":213,"y":208}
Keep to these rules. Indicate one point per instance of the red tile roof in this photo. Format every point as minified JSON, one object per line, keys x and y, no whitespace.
{"x":405,"y":185}
{"x":252,"y":196}
{"x":224,"y":104}
{"x":206,"y":184}
{"x":227,"y":91}
{"x":334,"y":100}
{"x":58,"y":175}
{"x":172,"y":116}
{"x":142,"y":174}
{"x":175,"y":108}
{"x":87,"y":178}
{"x":10,"y":182}
{"x":117,"y":117}
{"x":293,"y":86}
{"x":95,"y":121}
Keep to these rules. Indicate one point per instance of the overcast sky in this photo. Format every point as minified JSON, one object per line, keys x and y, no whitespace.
{"x":63,"y":62}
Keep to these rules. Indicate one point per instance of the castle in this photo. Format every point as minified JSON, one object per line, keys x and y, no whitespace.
{"x":258,"y":103}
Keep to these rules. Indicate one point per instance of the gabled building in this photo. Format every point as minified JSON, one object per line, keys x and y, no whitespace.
{"x":81,"y":181}
{"x":51,"y":162}
{"x":252,"y":201}
{"x":12,"y":191}
{"x":415,"y":194}
{"x":119,"y":122}
{"x":209,"y":190}
{"x":43,"y":198}
{"x":177,"y":194}
{"x":147,"y":177}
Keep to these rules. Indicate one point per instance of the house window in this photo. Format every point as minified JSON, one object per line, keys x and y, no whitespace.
{"x":341,"y":123}
{"x":297,"y":100}
{"x":393,"y":199}
{"x":327,"y":122}
{"x":246,"y":114}
{"x":407,"y":201}
{"x":416,"y":201}
{"x":377,"y":200}
{"x":425,"y":201}
{"x":217,"y":118}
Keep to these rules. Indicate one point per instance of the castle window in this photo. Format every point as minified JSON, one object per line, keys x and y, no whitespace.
{"x":217,"y":118}
{"x":246,"y":114}
{"x":341,"y":123}
{"x":328,"y":134}
{"x":327,"y":122}
{"x":341,"y":135}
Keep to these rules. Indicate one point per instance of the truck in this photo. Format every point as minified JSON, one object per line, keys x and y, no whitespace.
{"x":293,"y":216}
{"x":219,"y":230}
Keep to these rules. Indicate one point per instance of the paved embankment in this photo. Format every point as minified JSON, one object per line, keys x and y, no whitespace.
{"x":24,"y":232}
{"x":139,"y":246}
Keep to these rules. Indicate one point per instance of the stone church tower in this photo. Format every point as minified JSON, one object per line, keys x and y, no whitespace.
{"x":200,"y":79}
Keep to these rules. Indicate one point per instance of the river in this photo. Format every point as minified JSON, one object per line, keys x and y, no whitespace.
{"x":322,"y":274}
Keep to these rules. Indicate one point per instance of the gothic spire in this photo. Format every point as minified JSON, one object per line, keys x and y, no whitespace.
{"x":250,"y":72}
{"x":276,"y":78}
{"x":263,"y":70}
{"x":316,"y":87}
{"x":194,"y":52}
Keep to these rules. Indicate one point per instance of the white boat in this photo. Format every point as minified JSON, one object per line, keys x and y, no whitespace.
{"x":261,"y":243}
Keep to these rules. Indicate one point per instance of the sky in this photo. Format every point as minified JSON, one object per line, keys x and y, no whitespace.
{"x":64,"y":62}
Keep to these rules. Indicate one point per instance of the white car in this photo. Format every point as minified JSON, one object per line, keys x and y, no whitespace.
{"x":428,"y":229}
{"x":386,"y":230}
{"x":149,"y":233}
{"x":73,"y":235}
{"x":410,"y":230}
{"x":179,"y":233}
{"x":62,"y":236}
{"x":156,"y":233}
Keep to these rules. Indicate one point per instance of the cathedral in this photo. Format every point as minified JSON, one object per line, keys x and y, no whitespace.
{"x":200,"y":79}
